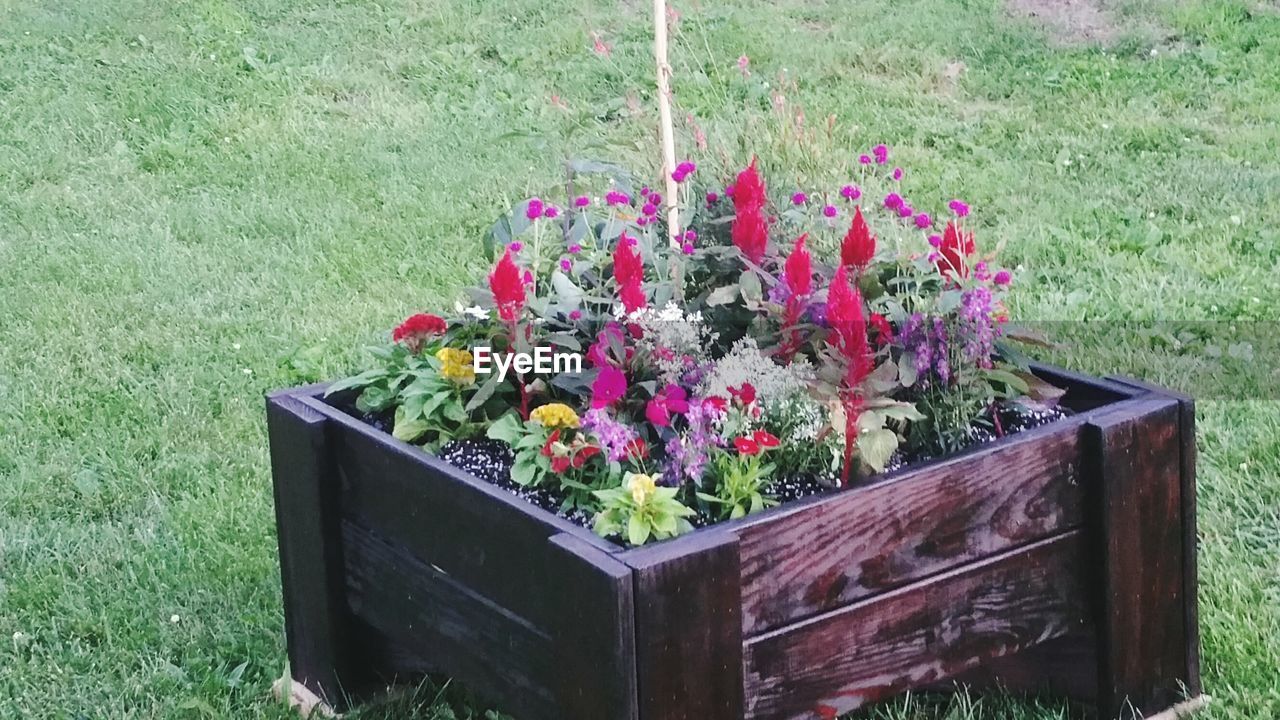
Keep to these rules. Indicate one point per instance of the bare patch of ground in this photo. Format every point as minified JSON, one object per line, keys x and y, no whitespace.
{"x":1070,"y":22}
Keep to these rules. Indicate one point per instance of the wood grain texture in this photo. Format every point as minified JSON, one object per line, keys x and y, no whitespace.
{"x":1066,"y":666}
{"x":908,"y":526}
{"x":437,"y":625}
{"x":918,"y":634}
{"x":311,"y":564}
{"x":689,"y":628}
{"x":1142,"y":627}
{"x":593,"y":637}
{"x":485,"y":537}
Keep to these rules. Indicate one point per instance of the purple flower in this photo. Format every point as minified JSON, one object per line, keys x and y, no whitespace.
{"x":642,"y":221}
{"x":935,"y":240}
{"x":799,"y":199}
{"x":850,"y":192}
{"x":565,"y":264}
{"x":897,"y":173}
{"x":581,"y":201}
{"x":649,"y":209}
{"x":687,"y":248}
{"x":978,"y":326}
{"x":614,"y":197}
{"x":959,"y":208}
{"x":830,"y":211}
{"x":923,"y":221}
{"x":690,"y":236}
{"x":1004,"y":277}
{"x":882,"y":154}
{"x":533,"y":210}
{"x":906,"y":211}
{"x":687,"y":454}
{"x":515,"y":246}
{"x":656,"y":198}
{"x":614,"y":436}
{"x":683,"y":170}
{"x":644,"y":191}
{"x":893,"y":201}
{"x":980,"y":270}
{"x":528,"y":277}
{"x":817,"y":314}
{"x":574,"y":249}
{"x":712,"y":198}
{"x":551,"y":212}
{"x":864,"y":159}
{"x":575,"y":314}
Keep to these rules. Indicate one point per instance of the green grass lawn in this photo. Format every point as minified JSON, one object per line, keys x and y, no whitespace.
{"x":205,"y":201}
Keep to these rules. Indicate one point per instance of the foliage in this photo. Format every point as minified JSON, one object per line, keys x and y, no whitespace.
{"x":639,"y":510}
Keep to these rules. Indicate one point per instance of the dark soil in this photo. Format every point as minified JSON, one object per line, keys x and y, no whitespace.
{"x":491,"y":461}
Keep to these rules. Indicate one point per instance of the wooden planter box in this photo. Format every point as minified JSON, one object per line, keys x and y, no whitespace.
{"x":1061,"y":558}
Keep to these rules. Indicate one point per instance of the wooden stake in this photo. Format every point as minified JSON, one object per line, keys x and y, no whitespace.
{"x":664,"y":114}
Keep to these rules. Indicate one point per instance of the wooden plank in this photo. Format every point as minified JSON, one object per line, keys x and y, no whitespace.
{"x":688,"y":628}
{"x":908,"y":526}
{"x":1066,"y":666}
{"x":1190,"y":534}
{"x":918,"y":634}
{"x":1085,"y":392}
{"x":1142,"y":627}
{"x":594,"y":638}
{"x":449,"y":519}
{"x":311,"y":567}
{"x":437,"y":625}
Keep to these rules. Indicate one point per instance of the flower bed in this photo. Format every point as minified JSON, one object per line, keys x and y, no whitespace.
{"x":778,"y":349}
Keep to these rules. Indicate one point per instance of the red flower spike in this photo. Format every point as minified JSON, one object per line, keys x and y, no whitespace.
{"x":953,"y":254}
{"x":746,"y":446}
{"x":748,"y":190}
{"x":628,"y":271}
{"x":750,"y":233}
{"x":859,"y":245}
{"x":508,"y":288}
{"x":884,"y":330}
{"x":847,"y":321}
{"x":798,"y":269}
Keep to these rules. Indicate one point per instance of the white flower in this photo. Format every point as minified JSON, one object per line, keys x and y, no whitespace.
{"x":477,"y":312}
{"x":744,"y":363}
{"x":174,"y":619}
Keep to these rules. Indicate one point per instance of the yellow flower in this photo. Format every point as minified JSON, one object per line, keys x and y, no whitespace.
{"x":642,"y":487}
{"x":555,"y":416}
{"x":456,"y":366}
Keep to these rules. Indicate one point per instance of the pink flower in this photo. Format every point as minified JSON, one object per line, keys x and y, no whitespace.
{"x":799,"y":199}
{"x":882,"y":154}
{"x":893,"y":201}
{"x":830,"y":211}
{"x":581,"y":201}
{"x":598,"y":45}
{"x":683,"y":171}
{"x":565,"y":264}
{"x":850,"y":192}
{"x":959,"y":208}
{"x":897,"y":173}
{"x":574,"y":249}
{"x":1004,"y":277}
{"x":609,"y":387}
{"x":671,"y":399}
{"x":687,"y":248}
{"x":649,"y":209}
{"x":551,"y":212}
{"x":690,"y":236}
{"x":864,"y":159}
{"x":935,"y":240}
{"x":712,"y":198}
{"x":533,"y":210}
{"x":906,"y":211}
{"x":923,"y":220}
{"x":515,"y":246}
{"x":859,"y":245}
{"x":614,"y":197}
{"x":744,"y":66}
{"x":575,"y":315}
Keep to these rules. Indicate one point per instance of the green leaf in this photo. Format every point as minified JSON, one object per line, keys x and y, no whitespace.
{"x":876,"y":447}
{"x":525,"y":471}
{"x":638,"y":530}
{"x":508,"y":428}
{"x":408,"y":429}
{"x":1006,"y":378}
{"x":907,"y":374}
{"x":483,"y":393}
{"x":723,"y":295}
{"x":368,"y":377}
{"x":749,"y":283}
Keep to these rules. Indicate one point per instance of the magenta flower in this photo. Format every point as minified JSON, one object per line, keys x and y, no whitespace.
{"x":893,"y":201}
{"x":830,"y":211}
{"x":897,"y":173}
{"x":864,"y":159}
{"x":528,"y":277}
{"x":850,"y":192}
{"x":644,"y":191}
{"x":581,"y":201}
{"x":656,"y":198}
{"x":959,"y":208}
{"x":642,"y":221}
{"x":614,"y":197}
{"x":565,"y":264}
{"x":649,"y":209}
{"x":575,"y":314}
{"x":690,"y":236}
{"x":923,"y":221}
{"x":533,"y":210}
{"x":609,"y":387}
{"x":799,"y":199}
{"x":683,"y":171}
{"x":551,"y":212}
{"x":712,"y":198}
{"x":671,"y":399}
{"x":1004,"y":277}
{"x":882,"y":154}
{"x":935,"y":240}
{"x":687,"y":248}
{"x":515,"y":246}
{"x":906,"y":211}
{"x":574,"y":249}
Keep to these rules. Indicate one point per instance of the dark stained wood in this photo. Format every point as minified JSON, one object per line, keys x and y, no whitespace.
{"x":447,"y":628}
{"x":1190,"y":534}
{"x":311,"y":566}
{"x":1066,"y":666}
{"x":874,"y":538}
{"x":1141,"y":627}
{"x":689,"y":628}
{"x":483,"y":536}
{"x":1084,"y":392}
{"x":593,"y":636}
{"x":919,"y":634}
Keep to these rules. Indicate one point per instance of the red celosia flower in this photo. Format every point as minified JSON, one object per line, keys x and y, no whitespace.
{"x":765,"y":439}
{"x":507,"y":288}
{"x":746,"y":446}
{"x":745,"y":394}
{"x":798,"y":269}
{"x":414,"y":331}
{"x":628,"y":271}
{"x":953,"y":254}
{"x":859,"y":244}
{"x":884,"y":330}
{"x":845,"y":316}
{"x":748,"y":190}
{"x":750,"y":229}
{"x":609,"y":386}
